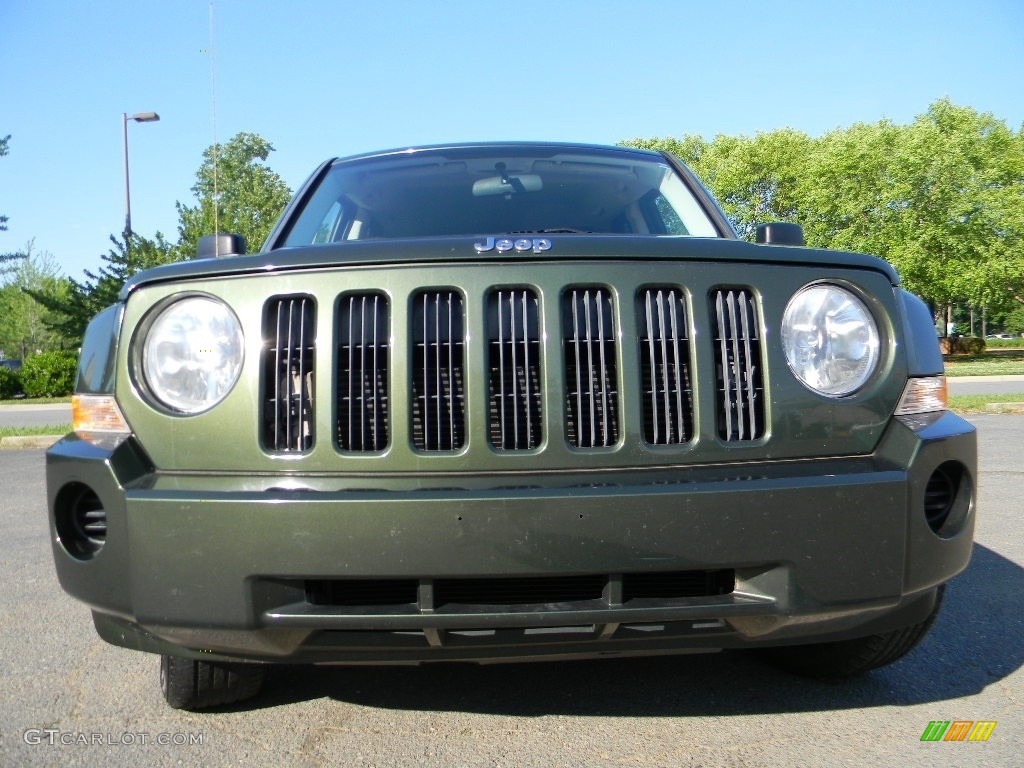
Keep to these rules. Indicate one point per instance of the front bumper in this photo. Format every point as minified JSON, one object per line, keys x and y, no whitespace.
{"x":473,"y":567}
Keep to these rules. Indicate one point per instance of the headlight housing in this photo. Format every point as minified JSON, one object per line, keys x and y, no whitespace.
{"x":192,"y":354}
{"x":831,"y":339}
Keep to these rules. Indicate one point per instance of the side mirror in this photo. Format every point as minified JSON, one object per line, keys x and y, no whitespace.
{"x":779,"y":233}
{"x":213,"y":246}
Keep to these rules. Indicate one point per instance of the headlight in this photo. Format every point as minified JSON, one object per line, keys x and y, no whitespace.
{"x":192,"y":354}
{"x":831,"y":340}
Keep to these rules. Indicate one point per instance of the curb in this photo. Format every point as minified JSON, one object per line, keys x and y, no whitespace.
{"x":24,"y":442}
{"x":1004,"y":407}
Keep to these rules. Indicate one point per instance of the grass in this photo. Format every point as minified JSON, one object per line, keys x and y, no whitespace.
{"x":1008,"y":362}
{"x":963,"y":404}
{"x":1014,"y":343}
{"x":36,"y":401}
{"x":59,"y":429}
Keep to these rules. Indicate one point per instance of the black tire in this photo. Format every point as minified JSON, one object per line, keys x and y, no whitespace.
{"x":191,"y":684}
{"x":848,"y":658}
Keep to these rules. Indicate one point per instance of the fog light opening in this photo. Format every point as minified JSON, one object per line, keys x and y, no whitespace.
{"x":947,"y":499}
{"x":81,"y":521}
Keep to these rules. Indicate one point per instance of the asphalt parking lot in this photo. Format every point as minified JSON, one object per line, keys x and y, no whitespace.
{"x":68,"y":698}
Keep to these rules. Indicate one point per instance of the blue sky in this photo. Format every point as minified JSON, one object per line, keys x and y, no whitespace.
{"x":321,"y":79}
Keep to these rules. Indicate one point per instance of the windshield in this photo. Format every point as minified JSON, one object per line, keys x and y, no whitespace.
{"x":499,"y":190}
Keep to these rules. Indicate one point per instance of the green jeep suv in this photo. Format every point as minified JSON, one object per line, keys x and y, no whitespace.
{"x":502,"y":402}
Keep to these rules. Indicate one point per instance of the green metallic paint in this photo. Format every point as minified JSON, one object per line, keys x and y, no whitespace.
{"x":99,"y":353}
{"x":210,"y":564}
{"x":802,"y":424}
{"x":567,"y":250}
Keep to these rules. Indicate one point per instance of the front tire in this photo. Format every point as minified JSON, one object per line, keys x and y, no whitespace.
{"x":848,"y":658}
{"x":192,"y":684}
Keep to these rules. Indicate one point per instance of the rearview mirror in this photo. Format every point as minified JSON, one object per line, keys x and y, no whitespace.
{"x":507,"y":185}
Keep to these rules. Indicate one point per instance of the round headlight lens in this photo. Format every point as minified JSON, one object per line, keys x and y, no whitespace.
{"x":830,"y":339}
{"x":192,"y":354}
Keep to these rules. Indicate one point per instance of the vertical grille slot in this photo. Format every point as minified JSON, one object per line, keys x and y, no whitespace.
{"x":362,"y":367}
{"x":289,"y":356}
{"x":591,"y":377}
{"x":665,"y":367}
{"x":513,"y":364}
{"x":438,"y":389}
{"x":737,"y":365}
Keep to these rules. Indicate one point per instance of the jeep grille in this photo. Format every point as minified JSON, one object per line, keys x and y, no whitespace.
{"x":665,"y":367}
{"x":362,"y":365}
{"x":737,"y":366}
{"x":514,"y":355}
{"x":289,"y":347}
{"x":438,"y":388}
{"x":590,"y":383}
{"x":591,"y":396}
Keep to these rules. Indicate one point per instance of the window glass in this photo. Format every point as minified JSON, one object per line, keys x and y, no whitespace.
{"x":499,"y":190}
{"x":329,"y":226}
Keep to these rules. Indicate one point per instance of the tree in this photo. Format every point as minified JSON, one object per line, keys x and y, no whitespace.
{"x":236,"y":192}
{"x":754,"y":179}
{"x":761,"y":178}
{"x":1013,"y":321}
{"x":6,"y":257}
{"x":25,"y":323}
{"x":941,"y":198}
{"x":852,"y":188}
{"x":1002,"y":211}
{"x":691,"y":149}
{"x":3,"y":153}
{"x":101,"y":289}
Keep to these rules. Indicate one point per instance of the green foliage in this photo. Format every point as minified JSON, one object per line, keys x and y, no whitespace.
{"x":3,"y":152}
{"x":954,"y":175}
{"x":690,"y":149}
{"x":760,"y":177}
{"x":754,"y":179}
{"x":25,"y":324}
{"x":1015,"y":342}
{"x":51,"y":374}
{"x":73,"y":310}
{"x":941,"y":198}
{"x":6,"y":268}
{"x":249,"y":196}
{"x":10,"y":383}
{"x":1013,"y":321}
{"x":7,"y":265}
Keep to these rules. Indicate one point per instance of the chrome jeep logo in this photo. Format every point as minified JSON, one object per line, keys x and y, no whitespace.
{"x":520,"y":245}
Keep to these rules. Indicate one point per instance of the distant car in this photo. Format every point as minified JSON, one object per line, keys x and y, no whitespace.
{"x":501,"y":402}
{"x":1000,"y":336}
{"x":13,"y":365}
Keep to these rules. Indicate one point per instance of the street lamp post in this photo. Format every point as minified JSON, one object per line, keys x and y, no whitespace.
{"x":138,"y":117}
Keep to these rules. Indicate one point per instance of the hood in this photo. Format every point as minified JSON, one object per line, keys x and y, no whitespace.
{"x":563,"y":247}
